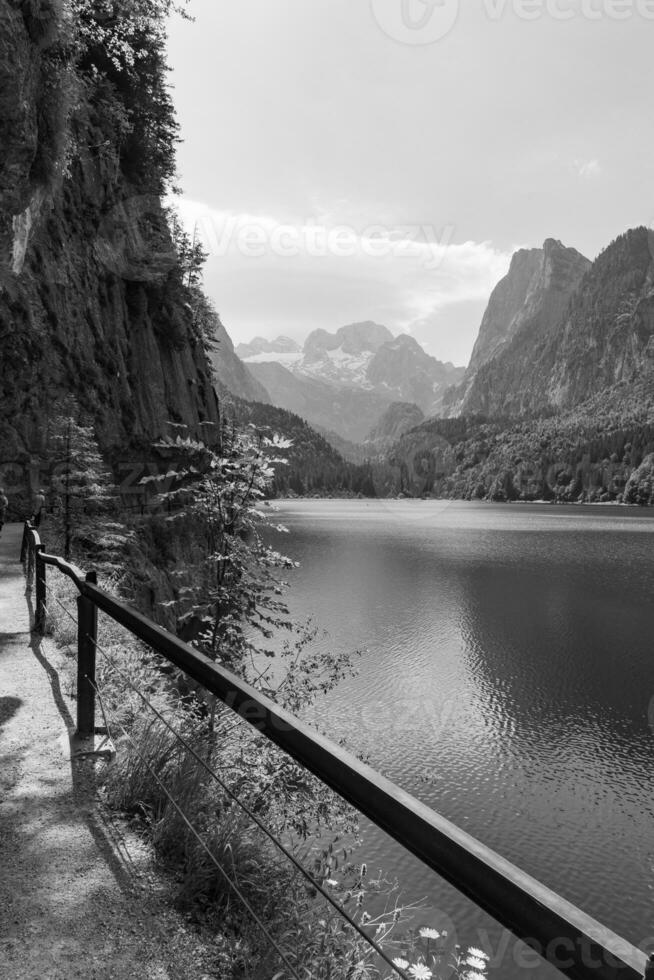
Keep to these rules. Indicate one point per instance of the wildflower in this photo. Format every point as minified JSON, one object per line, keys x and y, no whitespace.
{"x":427,"y":933}
{"x":474,"y":951}
{"x":366,"y":917}
{"x":420,"y":972}
{"x":400,"y":963}
{"x":476,"y":962}
{"x":332,"y":882}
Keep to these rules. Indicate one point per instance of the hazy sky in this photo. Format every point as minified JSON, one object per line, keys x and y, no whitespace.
{"x":381,"y":159}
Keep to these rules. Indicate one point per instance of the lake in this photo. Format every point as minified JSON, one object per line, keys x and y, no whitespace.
{"x":505,"y":679}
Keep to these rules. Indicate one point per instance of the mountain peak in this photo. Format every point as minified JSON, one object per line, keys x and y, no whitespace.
{"x":261,"y":345}
{"x":354,"y":338}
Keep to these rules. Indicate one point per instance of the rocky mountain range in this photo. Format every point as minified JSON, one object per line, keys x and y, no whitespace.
{"x":558,"y":399}
{"x":525,"y":307}
{"x":345,"y":381}
{"x":280,"y":345}
{"x":559,"y":328}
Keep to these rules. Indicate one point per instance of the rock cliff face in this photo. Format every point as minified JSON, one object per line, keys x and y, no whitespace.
{"x":566,"y":404}
{"x":232,"y":372}
{"x":524,"y":310}
{"x":91,"y":294}
{"x":502,"y":317}
{"x":410,"y":374}
{"x":583,"y":328}
{"x":607,"y":335}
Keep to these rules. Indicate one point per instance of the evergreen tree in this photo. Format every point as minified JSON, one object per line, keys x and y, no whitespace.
{"x":82,"y":492}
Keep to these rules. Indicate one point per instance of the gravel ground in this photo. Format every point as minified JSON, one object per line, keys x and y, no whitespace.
{"x":80,"y":896}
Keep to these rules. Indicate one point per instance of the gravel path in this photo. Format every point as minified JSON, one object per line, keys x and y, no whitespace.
{"x":79,"y":896}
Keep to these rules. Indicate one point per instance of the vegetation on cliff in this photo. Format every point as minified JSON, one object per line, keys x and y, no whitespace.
{"x":96,"y":290}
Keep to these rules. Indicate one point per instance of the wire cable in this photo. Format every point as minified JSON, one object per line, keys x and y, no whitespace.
{"x":255,"y":819}
{"x":252,"y":816}
{"x":60,"y":603}
{"x":204,"y":846}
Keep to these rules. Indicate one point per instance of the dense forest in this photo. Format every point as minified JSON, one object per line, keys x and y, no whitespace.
{"x":599,"y":452}
{"x":312,"y":466}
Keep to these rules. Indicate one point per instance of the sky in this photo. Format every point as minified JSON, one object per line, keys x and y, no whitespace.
{"x":348,"y":160}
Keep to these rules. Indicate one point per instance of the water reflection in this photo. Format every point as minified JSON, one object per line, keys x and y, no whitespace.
{"x":505,"y":679}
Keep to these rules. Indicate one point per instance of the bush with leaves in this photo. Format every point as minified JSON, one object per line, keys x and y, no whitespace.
{"x":227,"y":589}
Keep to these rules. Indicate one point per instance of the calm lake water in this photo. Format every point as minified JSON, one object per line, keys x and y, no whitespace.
{"x":506,"y":672}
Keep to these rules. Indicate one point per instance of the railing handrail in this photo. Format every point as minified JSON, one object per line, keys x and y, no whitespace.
{"x":535,"y":913}
{"x":66,"y":567}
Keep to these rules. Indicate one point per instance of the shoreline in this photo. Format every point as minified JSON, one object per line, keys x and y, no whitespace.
{"x":462,"y":500}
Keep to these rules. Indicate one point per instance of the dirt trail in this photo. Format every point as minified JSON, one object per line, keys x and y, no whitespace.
{"x":78,"y":896}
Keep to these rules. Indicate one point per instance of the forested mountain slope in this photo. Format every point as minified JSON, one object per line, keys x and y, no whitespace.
{"x":313,"y":465}
{"x":563,"y":408}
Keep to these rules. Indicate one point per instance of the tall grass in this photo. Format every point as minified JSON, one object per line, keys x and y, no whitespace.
{"x":307,"y":817}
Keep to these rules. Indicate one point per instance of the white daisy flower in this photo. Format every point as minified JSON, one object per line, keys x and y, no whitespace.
{"x":401,"y":964}
{"x":427,"y":933}
{"x":475,"y":951}
{"x":476,"y":962}
{"x":420,"y":972}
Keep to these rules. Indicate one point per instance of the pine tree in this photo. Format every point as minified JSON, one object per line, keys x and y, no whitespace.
{"x":82,"y":492}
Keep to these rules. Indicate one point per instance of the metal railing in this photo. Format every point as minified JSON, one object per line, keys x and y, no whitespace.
{"x":576,"y":944}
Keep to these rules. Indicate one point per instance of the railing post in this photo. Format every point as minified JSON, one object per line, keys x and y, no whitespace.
{"x":31,"y":560}
{"x":25,"y":542}
{"x":87,"y":634}
{"x":39,"y":616}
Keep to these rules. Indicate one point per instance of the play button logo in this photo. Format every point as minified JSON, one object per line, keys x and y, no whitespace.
{"x":415,"y":21}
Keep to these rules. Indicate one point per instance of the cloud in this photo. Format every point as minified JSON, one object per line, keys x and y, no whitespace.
{"x":316,"y":273}
{"x":588,"y":168}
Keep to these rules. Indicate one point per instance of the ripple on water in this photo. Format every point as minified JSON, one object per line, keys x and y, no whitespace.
{"x":505,"y":679}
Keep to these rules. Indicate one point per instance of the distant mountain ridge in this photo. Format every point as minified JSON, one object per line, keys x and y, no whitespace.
{"x":280,"y":345}
{"x":344,"y":381}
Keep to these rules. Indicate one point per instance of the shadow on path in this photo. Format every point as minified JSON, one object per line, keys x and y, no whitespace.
{"x":8,"y":708}
{"x":86,"y":773}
